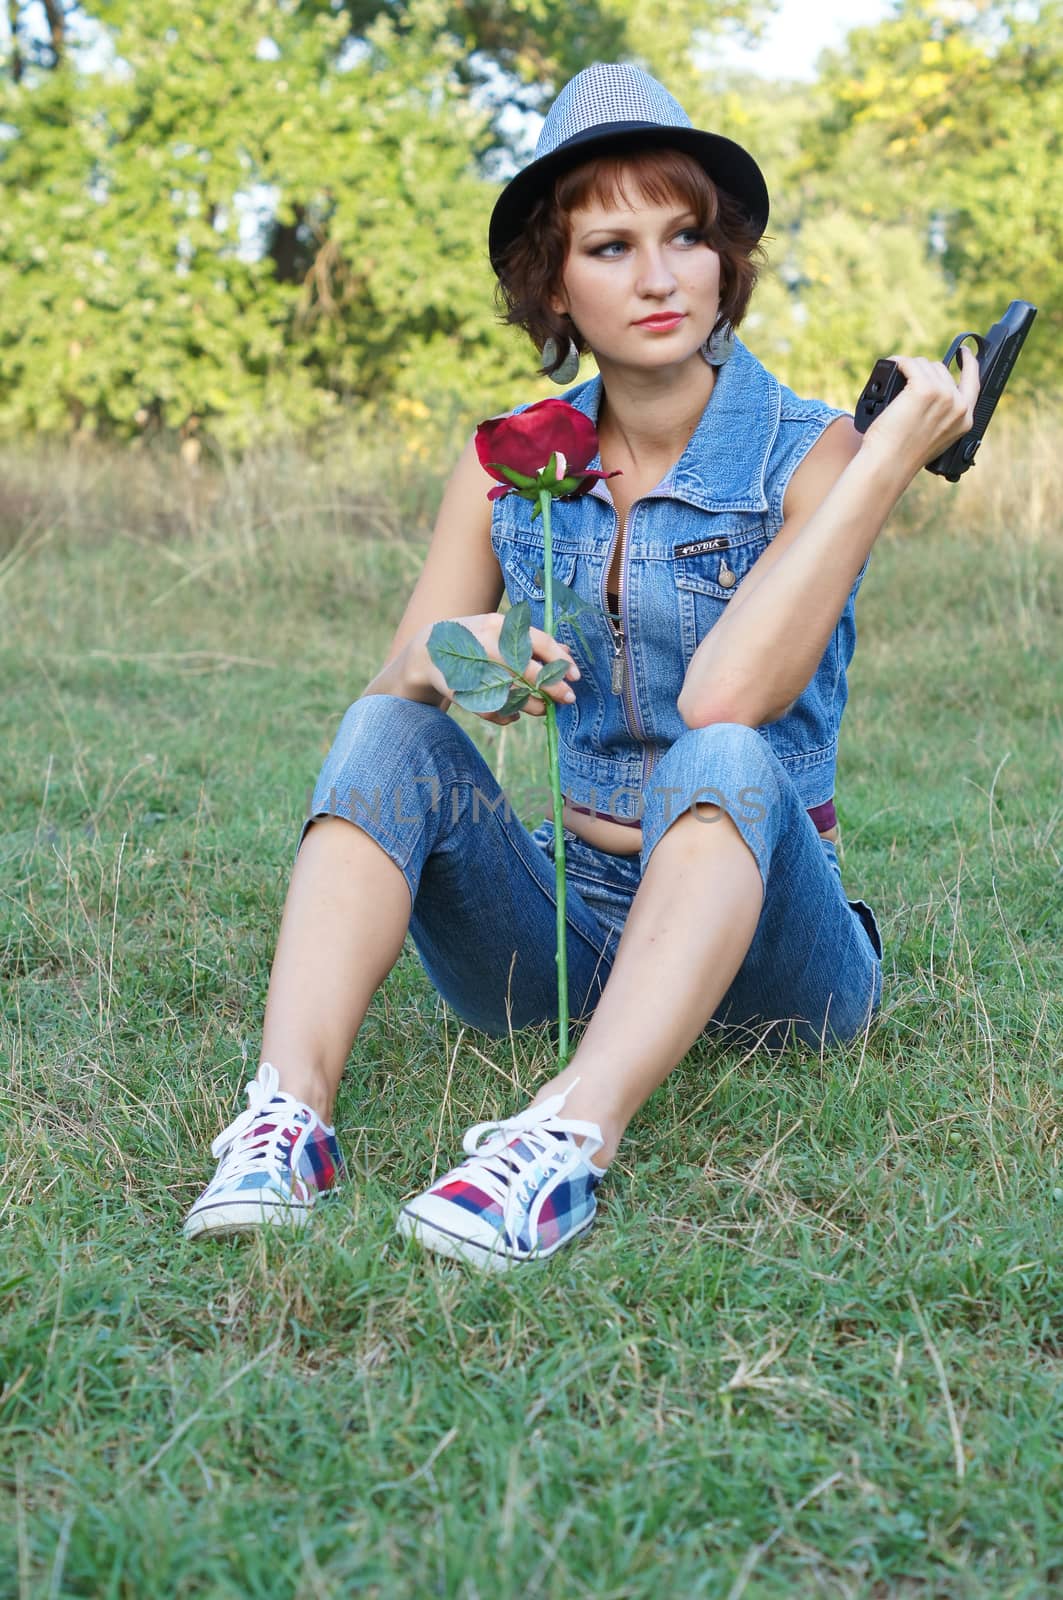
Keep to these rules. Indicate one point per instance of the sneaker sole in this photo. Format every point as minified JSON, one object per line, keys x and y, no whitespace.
{"x":443,"y":1243}
{"x":240,"y":1216}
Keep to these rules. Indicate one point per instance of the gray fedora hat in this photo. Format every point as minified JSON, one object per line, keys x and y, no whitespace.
{"x":611,"y":107}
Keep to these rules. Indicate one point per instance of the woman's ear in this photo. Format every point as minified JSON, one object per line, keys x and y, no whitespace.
{"x":557,"y":301}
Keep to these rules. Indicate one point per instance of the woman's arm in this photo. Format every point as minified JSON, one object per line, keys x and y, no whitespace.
{"x":461,"y":581}
{"x":763,"y":652}
{"x":460,"y":575}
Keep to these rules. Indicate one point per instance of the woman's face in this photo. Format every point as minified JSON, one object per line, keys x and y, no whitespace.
{"x":640,"y":282}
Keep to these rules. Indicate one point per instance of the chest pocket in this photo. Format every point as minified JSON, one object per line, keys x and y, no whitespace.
{"x":522,"y":567}
{"x":716,"y":564}
{"x":709,"y":570}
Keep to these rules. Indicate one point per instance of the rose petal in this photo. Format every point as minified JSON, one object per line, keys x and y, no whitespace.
{"x":525,"y":440}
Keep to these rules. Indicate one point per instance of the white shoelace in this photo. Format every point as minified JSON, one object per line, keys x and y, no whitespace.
{"x":498,"y":1169}
{"x":272,"y":1153}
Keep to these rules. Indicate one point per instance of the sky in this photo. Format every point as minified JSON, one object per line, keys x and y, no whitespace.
{"x":801,"y":29}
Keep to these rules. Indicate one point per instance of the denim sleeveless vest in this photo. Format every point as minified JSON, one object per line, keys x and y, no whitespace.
{"x":688,"y":545}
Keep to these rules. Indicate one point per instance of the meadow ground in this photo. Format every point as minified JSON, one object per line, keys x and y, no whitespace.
{"x":813,"y":1345}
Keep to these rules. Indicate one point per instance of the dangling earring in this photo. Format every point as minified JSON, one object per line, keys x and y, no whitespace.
{"x":719,"y":347}
{"x":569,"y":368}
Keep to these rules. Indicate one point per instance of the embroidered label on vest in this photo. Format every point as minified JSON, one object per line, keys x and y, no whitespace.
{"x":701,"y":547}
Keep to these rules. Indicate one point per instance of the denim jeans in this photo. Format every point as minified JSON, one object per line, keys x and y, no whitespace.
{"x":482,"y":887}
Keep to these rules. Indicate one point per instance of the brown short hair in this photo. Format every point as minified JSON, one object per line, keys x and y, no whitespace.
{"x":530,"y":271}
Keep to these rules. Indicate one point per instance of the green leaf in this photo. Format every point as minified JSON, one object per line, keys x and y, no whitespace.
{"x":514,"y":642}
{"x":460,"y":657}
{"x":488,"y":697}
{"x":518,"y":698}
{"x":476,"y":681}
{"x":552,"y":672}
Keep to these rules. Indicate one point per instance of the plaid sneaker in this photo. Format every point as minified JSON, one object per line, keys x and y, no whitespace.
{"x":275,"y":1161}
{"x":527,"y":1189}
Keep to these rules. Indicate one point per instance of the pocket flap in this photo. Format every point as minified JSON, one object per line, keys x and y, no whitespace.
{"x":520,"y":570}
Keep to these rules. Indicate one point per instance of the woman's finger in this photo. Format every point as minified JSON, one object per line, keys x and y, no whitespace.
{"x":970,"y":376}
{"x":561,"y":689}
{"x":932,"y":394}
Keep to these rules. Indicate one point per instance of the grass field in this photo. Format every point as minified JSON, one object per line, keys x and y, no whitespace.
{"x":813,"y":1346}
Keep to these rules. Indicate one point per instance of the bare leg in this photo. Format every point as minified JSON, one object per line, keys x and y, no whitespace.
{"x":345,"y":919}
{"x":689,"y":928}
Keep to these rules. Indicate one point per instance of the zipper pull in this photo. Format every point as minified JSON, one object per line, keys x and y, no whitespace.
{"x":617,"y":684}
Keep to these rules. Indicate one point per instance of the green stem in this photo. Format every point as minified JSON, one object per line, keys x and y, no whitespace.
{"x":555,"y":789}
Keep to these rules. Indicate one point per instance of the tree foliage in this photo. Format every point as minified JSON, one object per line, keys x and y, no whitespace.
{"x":912,"y":195}
{"x":954,"y":112}
{"x":524,"y":50}
{"x":848,"y":277}
{"x":133,"y":298}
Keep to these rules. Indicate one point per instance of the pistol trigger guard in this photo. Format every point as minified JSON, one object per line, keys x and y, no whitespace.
{"x":961,"y":338}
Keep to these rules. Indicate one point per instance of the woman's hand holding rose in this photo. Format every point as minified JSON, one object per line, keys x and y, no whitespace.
{"x":486,"y":629}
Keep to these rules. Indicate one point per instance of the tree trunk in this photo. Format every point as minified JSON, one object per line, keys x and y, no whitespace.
{"x":57,"y":28}
{"x":16,"y":53}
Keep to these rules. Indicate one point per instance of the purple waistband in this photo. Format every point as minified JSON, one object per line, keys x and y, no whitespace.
{"x":823,"y":816}
{"x":606,"y":816}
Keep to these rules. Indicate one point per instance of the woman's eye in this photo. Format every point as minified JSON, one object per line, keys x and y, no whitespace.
{"x":614,"y":248}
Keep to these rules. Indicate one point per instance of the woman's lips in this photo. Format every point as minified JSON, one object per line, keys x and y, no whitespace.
{"x":662,"y":321}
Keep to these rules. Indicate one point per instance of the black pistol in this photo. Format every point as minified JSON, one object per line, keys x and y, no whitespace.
{"x":997,"y":353}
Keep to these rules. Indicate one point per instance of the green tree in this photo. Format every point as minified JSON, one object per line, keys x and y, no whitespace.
{"x":128,"y":299}
{"x":520,"y":51}
{"x":955,"y":113}
{"x":126,"y":294}
{"x":524,"y":50}
{"x":848,"y":276}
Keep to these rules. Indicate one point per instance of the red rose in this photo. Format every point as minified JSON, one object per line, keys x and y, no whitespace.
{"x":520,"y":451}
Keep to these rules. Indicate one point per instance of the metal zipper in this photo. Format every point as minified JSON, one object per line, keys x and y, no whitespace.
{"x":621,"y":679}
{"x":617,"y":681}
{"x":634,"y":720}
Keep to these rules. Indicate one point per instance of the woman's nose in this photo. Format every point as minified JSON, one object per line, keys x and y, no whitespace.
{"x":655,"y":276}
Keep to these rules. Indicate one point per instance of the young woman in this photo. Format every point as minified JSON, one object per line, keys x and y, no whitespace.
{"x":698,"y":730}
